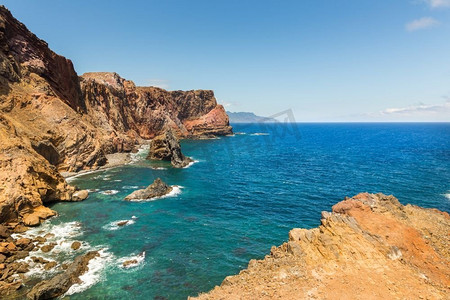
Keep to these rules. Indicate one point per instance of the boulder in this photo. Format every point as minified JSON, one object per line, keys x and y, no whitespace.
{"x":58,"y":285}
{"x":167,"y":147}
{"x":48,"y":248}
{"x":31,"y":220}
{"x":23,"y":242}
{"x":157,"y":189}
{"x":80,"y":195}
{"x":4,"y":232}
{"x":75,"y":245}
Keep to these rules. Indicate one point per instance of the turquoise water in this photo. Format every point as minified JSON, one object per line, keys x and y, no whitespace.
{"x":244,"y":195}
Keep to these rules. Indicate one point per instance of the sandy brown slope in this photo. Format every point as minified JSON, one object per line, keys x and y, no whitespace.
{"x":369,"y":247}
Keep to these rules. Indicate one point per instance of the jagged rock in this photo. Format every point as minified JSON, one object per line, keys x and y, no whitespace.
{"x":157,"y":189}
{"x":4,"y":232}
{"x":80,"y":195}
{"x":36,"y":215}
{"x":369,"y":246}
{"x":58,"y":285}
{"x":167,"y":147}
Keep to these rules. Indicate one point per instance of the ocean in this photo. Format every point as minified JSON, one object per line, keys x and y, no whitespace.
{"x":241,"y":196}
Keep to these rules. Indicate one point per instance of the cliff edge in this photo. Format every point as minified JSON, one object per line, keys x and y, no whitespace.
{"x":369,"y":247}
{"x":52,"y":120}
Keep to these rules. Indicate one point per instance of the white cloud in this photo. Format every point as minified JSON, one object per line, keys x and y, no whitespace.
{"x":161,"y":83}
{"x":438,"y":3}
{"x":422,"y":23}
{"x":419,"y":109}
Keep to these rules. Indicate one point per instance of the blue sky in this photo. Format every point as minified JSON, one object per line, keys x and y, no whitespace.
{"x":326,"y":60}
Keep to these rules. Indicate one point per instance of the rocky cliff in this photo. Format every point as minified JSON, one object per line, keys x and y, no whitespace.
{"x":369,"y":247}
{"x":52,"y":120}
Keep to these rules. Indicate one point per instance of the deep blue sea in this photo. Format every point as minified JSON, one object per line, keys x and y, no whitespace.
{"x":242,"y":196}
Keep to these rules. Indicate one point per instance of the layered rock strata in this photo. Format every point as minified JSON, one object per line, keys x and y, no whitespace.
{"x":52,"y":120}
{"x":369,"y":247}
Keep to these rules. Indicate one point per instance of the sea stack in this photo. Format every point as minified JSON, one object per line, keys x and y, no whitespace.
{"x":167,"y":147}
{"x":157,"y":189}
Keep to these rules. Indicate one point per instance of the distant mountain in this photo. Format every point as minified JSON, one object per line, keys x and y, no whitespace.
{"x":248,"y":117}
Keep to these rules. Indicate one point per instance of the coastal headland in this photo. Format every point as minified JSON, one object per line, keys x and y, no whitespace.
{"x":55,"y":123}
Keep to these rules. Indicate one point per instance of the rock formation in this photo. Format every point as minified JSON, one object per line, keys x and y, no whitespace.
{"x":369,"y":247}
{"x":60,"y":284}
{"x":52,"y":120}
{"x":167,"y":147}
{"x":157,"y":189}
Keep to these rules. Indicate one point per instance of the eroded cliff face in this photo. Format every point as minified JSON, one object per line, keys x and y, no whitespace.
{"x":52,"y":120}
{"x":369,"y":247}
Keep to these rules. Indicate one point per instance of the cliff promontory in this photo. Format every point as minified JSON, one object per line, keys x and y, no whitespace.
{"x":52,"y":120}
{"x":369,"y":247}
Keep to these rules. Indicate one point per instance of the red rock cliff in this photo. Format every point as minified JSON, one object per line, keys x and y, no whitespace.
{"x":51,"y":120}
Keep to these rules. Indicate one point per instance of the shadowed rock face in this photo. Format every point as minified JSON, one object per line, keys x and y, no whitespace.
{"x":369,"y":247}
{"x":167,"y":147}
{"x":51,"y":120}
{"x":157,"y":189}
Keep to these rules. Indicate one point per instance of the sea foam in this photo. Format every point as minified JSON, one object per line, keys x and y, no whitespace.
{"x":115,"y":224}
{"x":96,"y":267}
{"x":109,"y":192}
{"x":137,"y":260}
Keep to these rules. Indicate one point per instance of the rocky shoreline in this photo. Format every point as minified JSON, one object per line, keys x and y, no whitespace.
{"x":55,"y":124}
{"x":369,"y":247}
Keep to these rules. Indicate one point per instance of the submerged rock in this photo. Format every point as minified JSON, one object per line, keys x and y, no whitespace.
{"x":167,"y":147}
{"x":122,"y":223}
{"x":58,"y":285}
{"x":157,"y":189}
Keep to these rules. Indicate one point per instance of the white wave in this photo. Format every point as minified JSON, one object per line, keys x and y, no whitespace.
{"x":62,"y":236}
{"x":93,"y":190}
{"x":240,"y":133}
{"x":54,"y":232}
{"x":127,"y":187}
{"x":140,"y":154}
{"x":191,"y":163}
{"x":94,"y":274}
{"x":82,"y":173}
{"x":259,"y":133}
{"x":115,"y":224}
{"x":134,"y":260}
{"x":447,"y":196}
{"x":158,"y":168}
{"x":176,"y":190}
{"x":118,"y":180}
{"x":109,"y":192}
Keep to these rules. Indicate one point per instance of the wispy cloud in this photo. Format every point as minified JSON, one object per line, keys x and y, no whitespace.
{"x":418,"y":112}
{"x":420,"y":108}
{"x":438,"y":3}
{"x":161,"y":83}
{"x":422,"y":23}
